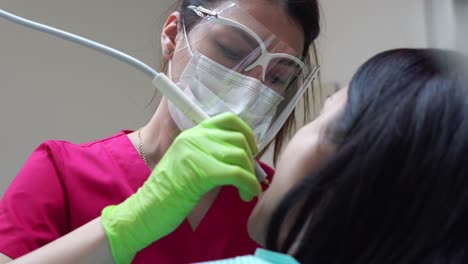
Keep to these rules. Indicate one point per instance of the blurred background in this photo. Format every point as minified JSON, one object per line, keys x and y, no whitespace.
{"x":52,"y":89}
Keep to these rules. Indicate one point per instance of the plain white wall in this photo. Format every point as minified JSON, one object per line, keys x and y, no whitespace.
{"x":353,"y":31}
{"x":442,"y":24}
{"x":51,"y":89}
{"x":461,"y":13}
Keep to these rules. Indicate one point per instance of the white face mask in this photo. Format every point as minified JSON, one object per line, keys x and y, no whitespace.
{"x":217,"y":89}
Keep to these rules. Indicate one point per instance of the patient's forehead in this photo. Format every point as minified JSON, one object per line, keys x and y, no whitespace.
{"x":336,"y":100}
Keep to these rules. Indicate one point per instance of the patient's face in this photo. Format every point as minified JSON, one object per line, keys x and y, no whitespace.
{"x":304,"y":153}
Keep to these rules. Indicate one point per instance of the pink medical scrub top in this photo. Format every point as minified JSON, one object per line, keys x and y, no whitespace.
{"x":63,"y":186}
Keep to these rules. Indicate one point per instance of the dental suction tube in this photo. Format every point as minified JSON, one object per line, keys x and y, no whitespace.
{"x":159,"y":80}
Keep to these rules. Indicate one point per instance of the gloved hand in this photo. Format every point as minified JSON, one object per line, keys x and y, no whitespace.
{"x":217,"y":152}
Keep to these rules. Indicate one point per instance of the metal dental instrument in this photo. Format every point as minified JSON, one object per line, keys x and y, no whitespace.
{"x":159,"y":80}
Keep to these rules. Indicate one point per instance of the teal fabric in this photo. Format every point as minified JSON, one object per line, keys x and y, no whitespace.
{"x":262,"y":256}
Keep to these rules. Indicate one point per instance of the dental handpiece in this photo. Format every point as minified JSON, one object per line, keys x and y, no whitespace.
{"x":159,"y":80}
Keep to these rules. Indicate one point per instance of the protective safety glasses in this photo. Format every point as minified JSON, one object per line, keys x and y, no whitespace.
{"x":246,"y":50}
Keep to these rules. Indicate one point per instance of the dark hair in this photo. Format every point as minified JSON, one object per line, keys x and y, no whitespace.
{"x":396,"y":188}
{"x":304,"y":12}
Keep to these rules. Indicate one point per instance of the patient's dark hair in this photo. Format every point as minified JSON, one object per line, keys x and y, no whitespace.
{"x":396,"y":188}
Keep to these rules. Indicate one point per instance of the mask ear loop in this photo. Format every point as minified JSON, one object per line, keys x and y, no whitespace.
{"x":169,"y":64}
{"x":186,"y":39}
{"x":169,"y":69}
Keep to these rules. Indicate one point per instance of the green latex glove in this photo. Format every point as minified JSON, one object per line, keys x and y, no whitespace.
{"x":217,"y":152}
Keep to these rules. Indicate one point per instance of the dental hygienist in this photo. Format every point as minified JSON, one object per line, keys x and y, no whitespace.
{"x":245,"y":57}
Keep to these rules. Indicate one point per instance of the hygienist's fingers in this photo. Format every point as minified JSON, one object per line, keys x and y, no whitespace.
{"x":229,"y":121}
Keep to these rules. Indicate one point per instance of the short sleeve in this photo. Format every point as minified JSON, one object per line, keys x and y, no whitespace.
{"x":33,"y":210}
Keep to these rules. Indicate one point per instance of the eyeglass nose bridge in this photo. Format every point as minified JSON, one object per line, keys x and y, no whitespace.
{"x":265,"y":59}
{"x":263,"y":63}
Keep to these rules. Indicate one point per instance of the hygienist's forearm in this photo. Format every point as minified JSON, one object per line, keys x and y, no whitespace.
{"x":87,"y":244}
